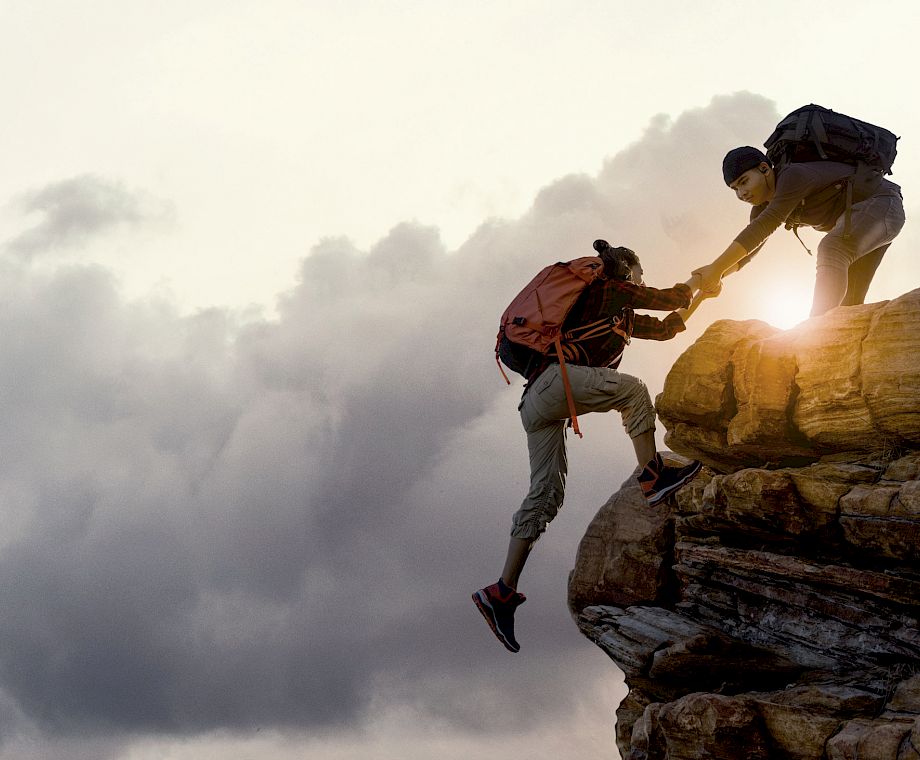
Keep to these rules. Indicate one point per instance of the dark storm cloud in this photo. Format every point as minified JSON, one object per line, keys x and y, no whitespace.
{"x":208,"y":524}
{"x":74,"y":210}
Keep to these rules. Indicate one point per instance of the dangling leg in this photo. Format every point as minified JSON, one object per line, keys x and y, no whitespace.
{"x":548,"y":468}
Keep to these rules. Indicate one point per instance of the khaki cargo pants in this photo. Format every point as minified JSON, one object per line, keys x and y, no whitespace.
{"x":544,"y":414}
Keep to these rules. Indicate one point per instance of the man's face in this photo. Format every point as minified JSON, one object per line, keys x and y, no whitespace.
{"x":755,"y":186}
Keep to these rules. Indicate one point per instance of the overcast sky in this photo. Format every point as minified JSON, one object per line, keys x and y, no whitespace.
{"x":256,"y":453}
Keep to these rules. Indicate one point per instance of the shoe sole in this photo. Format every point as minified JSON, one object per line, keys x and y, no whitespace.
{"x":674,"y":486}
{"x":482,"y":604}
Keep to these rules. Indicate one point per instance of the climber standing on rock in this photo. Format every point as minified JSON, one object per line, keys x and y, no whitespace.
{"x":591,"y":300}
{"x":822,"y":170}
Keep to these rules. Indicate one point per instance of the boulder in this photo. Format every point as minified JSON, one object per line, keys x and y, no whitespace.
{"x":747,"y":394}
{"x":771,"y":607}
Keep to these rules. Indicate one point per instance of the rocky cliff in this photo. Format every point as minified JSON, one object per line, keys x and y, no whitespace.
{"x":772,"y":608}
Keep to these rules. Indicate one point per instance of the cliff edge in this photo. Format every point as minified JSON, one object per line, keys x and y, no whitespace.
{"x":772,"y":608}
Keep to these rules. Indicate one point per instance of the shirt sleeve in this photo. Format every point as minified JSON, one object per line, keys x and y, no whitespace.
{"x":652,"y":328}
{"x":645,"y":297}
{"x":755,"y":212}
{"x":792,"y":185}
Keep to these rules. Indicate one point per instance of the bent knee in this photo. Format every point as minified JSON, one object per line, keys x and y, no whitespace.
{"x":637,"y":411}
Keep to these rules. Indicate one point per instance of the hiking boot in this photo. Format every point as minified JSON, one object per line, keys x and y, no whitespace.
{"x":497,"y":604}
{"x":659,"y":481}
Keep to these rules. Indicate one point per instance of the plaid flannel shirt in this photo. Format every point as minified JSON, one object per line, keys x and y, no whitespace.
{"x":613,"y":298}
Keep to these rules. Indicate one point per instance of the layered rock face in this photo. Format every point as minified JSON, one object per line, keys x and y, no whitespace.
{"x":772,"y":608}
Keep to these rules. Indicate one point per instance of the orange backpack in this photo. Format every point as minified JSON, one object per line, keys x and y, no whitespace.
{"x":535,"y":317}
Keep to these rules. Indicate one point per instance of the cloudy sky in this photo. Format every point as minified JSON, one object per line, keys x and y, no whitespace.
{"x":255,"y":451}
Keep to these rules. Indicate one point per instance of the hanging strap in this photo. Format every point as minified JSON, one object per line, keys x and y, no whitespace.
{"x":822,"y":196}
{"x":795,"y":231}
{"x":498,"y":340}
{"x":568,"y":388}
{"x":801,"y":125}
{"x":596,"y":329}
{"x":501,"y":369}
{"x":818,"y":134}
{"x":849,"y":212}
{"x":793,"y":224}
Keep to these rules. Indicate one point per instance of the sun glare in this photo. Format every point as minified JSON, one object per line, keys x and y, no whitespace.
{"x":786,"y":304}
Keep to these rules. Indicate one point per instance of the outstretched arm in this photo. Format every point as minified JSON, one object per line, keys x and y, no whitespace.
{"x":695,"y":283}
{"x":726,"y":264}
{"x":685,"y":314}
{"x":731,"y":260}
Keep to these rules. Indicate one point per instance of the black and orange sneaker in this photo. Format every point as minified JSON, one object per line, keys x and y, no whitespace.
{"x":497,"y":604}
{"x":659,"y":481}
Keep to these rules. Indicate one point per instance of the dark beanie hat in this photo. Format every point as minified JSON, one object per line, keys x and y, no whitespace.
{"x":739,"y":160}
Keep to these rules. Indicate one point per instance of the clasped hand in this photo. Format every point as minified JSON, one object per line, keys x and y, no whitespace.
{"x":707,"y":281}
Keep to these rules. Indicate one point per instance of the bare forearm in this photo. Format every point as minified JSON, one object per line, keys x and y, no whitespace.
{"x":695,"y":281}
{"x":728,"y":261}
{"x":685,"y":314}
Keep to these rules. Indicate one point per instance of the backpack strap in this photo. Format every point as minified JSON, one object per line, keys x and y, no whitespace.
{"x":820,"y":197}
{"x":573,"y":416}
{"x":793,"y":223}
{"x":795,"y":231}
{"x":498,"y":362}
{"x":801,"y":124}
{"x":818,"y":134}
{"x":861,"y":185}
{"x":596,"y":329}
{"x":498,"y":341}
{"x":849,"y":212}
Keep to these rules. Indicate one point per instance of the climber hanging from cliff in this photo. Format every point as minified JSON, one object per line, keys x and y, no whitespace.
{"x":578,"y":373}
{"x":823,"y":170}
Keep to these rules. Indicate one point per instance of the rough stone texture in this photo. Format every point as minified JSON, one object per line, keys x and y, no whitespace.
{"x":625,"y":555}
{"x":800,"y":719}
{"x":907,"y":696}
{"x":746,"y":394}
{"x":698,"y":401}
{"x":863,"y":739}
{"x":890,"y":371}
{"x":771,"y":609}
{"x":700,"y":726}
{"x":830,"y":410}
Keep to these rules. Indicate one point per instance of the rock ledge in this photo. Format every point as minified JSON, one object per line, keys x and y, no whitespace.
{"x":772,"y":609}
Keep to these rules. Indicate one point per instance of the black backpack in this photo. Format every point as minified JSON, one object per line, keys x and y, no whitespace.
{"x":813,"y":133}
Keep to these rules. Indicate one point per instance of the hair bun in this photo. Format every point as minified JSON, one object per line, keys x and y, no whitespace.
{"x":601,"y":245}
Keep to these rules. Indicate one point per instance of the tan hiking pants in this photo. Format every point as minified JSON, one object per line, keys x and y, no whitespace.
{"x":544,"y":414}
